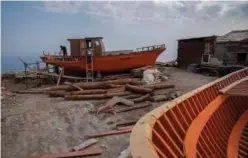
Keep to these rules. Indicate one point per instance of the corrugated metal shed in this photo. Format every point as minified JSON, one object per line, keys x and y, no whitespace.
{"x":234,"y":36}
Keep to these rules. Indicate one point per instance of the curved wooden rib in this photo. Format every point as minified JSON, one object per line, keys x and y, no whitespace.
{"x":235,"y":136}
{"x":198,"y":124}
{"x":238,"y":88}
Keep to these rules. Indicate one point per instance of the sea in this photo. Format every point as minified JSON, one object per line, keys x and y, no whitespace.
{"x":14,"y":64}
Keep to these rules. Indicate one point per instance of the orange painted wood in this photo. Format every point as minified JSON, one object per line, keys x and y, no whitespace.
{"x":233,"y":85}
{"x":165,"y":133}
{"x":235,"y":136}
{"x":194,"y":131}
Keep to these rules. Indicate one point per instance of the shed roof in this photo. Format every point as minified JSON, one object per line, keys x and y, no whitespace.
{"x":86,"y":38}
{"x":235,"y":35}
{"x":198,"y":38}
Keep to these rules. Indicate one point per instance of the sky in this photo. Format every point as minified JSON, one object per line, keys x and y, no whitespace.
{"x":28,"y":28}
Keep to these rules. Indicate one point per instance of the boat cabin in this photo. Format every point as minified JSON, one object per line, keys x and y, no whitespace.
{"x":79,"y":46}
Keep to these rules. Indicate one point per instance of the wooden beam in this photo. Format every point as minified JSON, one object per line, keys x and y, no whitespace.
{"x":85,"y":144}
{"x":137,"y":89}
{"x":146,"y":104}
{"x":106,"y":133}
{"x":60,"y":75}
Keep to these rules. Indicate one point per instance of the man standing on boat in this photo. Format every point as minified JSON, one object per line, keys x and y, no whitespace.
{"x":63,"y":50}
{"x":89,"y":56}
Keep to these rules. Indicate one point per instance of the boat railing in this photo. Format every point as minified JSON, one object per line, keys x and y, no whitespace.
{"x":58,"y":57}
{"x":150,"y":48}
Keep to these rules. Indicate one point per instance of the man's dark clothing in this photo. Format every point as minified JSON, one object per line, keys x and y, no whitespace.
{"x":63,"y":49}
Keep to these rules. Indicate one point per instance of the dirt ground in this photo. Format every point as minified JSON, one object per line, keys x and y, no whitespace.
{"x":34,"y":124}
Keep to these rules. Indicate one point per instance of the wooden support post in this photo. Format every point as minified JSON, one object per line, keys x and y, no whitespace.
{"x":61,"y":73}
{"x":106,"y":133}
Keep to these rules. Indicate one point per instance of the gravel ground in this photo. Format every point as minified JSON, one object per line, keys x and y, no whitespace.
{"x":34,"y":124}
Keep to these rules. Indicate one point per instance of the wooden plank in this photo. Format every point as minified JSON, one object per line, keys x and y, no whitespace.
{"x":112,"y":102}
{"x":144,"y":105}
{"x":86,"y":152}
{"x":95,"y":96}
{"x":106,"y":133}
{"x":163,"y":85}
{"x":60,"y":75}
{"x":126,"y":123}
{"x":85,"y":144}
{"x":92,"y":91}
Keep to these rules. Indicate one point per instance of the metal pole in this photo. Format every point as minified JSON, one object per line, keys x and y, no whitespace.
{"x":37,"y":65}
{"x":25,"y":67}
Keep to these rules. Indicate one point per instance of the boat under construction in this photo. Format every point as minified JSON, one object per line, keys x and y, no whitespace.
{"x":103,"y":61}
{"x":210,"y":121}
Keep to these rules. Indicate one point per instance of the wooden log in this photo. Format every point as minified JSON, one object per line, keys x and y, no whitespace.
{"x":98,"y":91}
{"x":137,"y":89}
{"x":91,"y":91}
{"x":116,"y":90}
{"x":86,"y":152}
{"x":163,"y":85}
{"x":95,"y":96}
{"x":60,"y":87}
{"x":112,"y":102}
{"x":142,"y":98}
{"x":158,"y":98}
{"x":116,"y":85}
{"x":111,"y":132}
{"x":132,"y":96}
{"x":96,"y":85}
{"x":132,"y":81}
{"x":146,"y":104}
{"x":85,"y":144}
{"x":115,"y":77}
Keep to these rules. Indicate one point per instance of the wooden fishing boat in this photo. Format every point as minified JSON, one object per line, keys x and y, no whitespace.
{"x":211,"y":121}
{"x":104,"y":61}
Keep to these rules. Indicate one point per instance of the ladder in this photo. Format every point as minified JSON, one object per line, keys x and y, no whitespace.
{"x":89,"y":69}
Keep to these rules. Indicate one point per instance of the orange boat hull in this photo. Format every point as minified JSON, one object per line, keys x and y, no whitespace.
{"x":108,"y":63}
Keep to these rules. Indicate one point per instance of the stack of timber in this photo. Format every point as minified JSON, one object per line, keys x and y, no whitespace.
{"x":127,"y":92}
